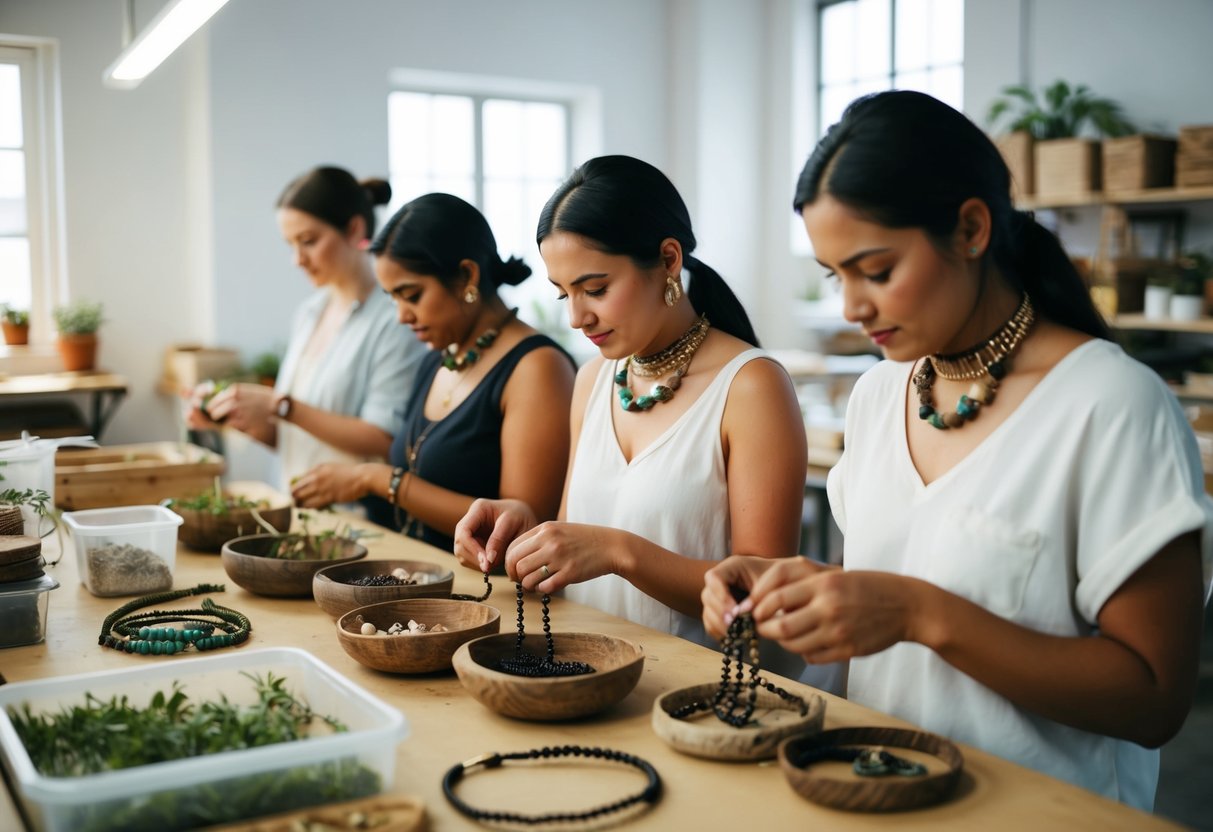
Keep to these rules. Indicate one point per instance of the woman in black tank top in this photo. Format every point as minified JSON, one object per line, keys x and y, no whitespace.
{"x":489,"y":412}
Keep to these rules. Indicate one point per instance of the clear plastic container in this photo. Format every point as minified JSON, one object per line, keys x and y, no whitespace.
{"x":130,"y":550}
{"x":216,"y":788}
{"x":30,"y":463}
{"x":23,"y":606}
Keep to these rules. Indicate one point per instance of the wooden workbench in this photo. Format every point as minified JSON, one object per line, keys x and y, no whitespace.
{"x":448,"y":725}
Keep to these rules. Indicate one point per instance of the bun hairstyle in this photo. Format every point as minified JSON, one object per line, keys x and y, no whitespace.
{"x":906,"y":160}
{"x":434,"y":233}
{"x":626,"y":206}
{"x":333,"y":195}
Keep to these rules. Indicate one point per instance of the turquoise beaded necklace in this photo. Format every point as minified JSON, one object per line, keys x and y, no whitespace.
{"x":677,"y":356}
{"x":134,"y":632}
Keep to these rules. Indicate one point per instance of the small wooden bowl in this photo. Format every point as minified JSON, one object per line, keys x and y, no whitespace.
{"x":703,"y":735}
{"x":617,"y":665}
{"x":420,"y":652}
{"x":838,"y":787}
{"x":399,"y":814}
{"x":335,"y":594}
{"x":247,"y":563}
{"x":207,"y":532}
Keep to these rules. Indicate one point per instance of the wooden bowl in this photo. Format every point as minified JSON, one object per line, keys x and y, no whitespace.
{"x":834,"y":784}
{"x":247,"y":562}
{"x":617,"y":664}
{"x":335,"y":594}
{"x":703,"y":735}
{"x":207,"y":532}
{"x":420,"y":652}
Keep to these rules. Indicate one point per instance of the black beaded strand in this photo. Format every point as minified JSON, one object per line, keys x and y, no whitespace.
{"x":525,"y":663}
{"x":488,"y":590}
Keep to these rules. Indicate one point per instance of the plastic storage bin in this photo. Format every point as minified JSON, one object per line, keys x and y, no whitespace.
{"x":214,"y":788}
{"x":125,"y":551}
{"x":30,"y":463}
{"x":23,"y":606}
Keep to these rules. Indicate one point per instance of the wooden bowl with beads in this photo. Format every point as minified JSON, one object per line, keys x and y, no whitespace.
{"x":617,"y":665}
{"x":835,"y":784}
{"x":336,"y":592}
{"x":418,"y":652}
{"x":249,"y":563}
{"x":702,"y":734}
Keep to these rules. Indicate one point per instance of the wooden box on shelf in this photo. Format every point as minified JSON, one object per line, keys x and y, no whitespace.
{"x":1067,"y":167}
{"x":185,"y":365}
{"x":132,"y":475}
{"x":1118,"y":285}
{"x":1018,"y":151}
{"x":1134,"y":163}
{"x":1194,"y":159}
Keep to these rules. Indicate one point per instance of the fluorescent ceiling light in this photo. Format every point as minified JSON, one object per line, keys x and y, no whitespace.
{"x":169,"y":29}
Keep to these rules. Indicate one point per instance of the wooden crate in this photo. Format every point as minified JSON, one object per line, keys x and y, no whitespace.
{"x":186,"y":365}
{"x":1133,"y":163}
{"x":1193,"y":173}
{"x":1194,"y":161}
{"x":1067,"y":168}
{"x":1196,"y":139}
{"x":132,"y":475}
{"x":1017,"y":151}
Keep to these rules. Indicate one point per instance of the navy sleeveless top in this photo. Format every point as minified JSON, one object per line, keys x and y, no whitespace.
{"x":462,"y":451}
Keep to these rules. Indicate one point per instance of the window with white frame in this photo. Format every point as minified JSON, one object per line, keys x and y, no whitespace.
{"x":504,"y":155}
{"x":870,"y":45}
{"x":31,"y":242}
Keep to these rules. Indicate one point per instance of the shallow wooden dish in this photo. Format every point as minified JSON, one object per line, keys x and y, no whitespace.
{"x":421,"y":652}
{"x":833,"y":784}
{"x":387,"y":814}
{"x":207,"y":532}
{"x":335,"y":594}
{"x":245,"y":561}
{"x":703,"y":735}
{"x":617,"y":663}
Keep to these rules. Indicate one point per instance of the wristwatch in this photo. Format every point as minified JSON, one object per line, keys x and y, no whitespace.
{"x":284,"y":407}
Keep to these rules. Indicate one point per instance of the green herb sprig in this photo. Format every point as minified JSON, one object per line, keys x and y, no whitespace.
{"x":308,"y":545}
{"x":216,"y":502}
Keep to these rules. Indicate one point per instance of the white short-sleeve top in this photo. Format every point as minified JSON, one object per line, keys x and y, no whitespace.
{"x":1092,"y":474}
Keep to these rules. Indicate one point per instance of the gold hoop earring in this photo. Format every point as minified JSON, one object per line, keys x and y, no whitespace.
{"x":673,"y":290}
{"x":471,"y":294}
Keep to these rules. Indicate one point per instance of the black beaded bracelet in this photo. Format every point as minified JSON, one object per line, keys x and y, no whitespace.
{"x":650,"y":794}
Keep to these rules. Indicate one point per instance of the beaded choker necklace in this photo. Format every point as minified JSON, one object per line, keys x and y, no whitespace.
{"x":131,"y":632}
{"x":986,"y":365}
{"x":675,"y":358}
{"x":459,"y":363}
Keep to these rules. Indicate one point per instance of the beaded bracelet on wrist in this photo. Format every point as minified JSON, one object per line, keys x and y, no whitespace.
{"x":134,"y":632}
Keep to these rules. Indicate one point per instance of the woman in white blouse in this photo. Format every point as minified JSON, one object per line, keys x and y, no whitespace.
{"x":349,"y":365}
{"x":1022,"y":572}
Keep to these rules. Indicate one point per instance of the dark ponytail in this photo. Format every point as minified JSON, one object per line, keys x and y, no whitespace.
{"x":334,"y":196}
{"x":906,"y":160}
{"x":627,"y":207}
{"x":434,"y":233}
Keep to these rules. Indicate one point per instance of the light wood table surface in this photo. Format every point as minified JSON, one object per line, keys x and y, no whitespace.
{"x":449,"y":726}
{"x":105,"y":390}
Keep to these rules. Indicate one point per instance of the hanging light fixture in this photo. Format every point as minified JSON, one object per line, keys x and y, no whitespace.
{"x":167,"y":30}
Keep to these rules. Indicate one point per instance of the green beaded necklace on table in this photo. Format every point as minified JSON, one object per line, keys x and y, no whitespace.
{"x":135,"y":632}
{"x":986,"y":365}
{"x":674,"y":361}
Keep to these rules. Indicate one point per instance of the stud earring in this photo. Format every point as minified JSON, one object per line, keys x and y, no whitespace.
{"x":673,"y":290}
{"x":972,"y":251}
{"x":471,"y":294}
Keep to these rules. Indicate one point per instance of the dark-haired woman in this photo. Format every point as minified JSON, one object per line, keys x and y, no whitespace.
{"x":1023,"y":503}
{"x":689,"y":442}
{"x":344,"y":382}
{"x":488,"y":415}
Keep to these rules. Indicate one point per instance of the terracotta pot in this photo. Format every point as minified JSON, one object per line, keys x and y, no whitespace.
{"x":79,"y":352}
{"x":15,"y":334}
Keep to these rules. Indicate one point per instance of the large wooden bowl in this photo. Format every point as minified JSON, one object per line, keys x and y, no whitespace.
{"x":617,"y":663}
{"x":420,"y":652}
{"x":703,"y":735}
{"x":247,"y":562}
{"x":335,"y":594}
{"x":207,"y":532}
{"x":833,"y":784}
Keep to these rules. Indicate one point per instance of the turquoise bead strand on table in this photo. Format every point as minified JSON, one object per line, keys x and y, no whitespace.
{"x":129,"y":631}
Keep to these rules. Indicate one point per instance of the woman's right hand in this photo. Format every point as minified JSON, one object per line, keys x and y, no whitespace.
{"x":196,"y":417}
{"x":487,"y":530}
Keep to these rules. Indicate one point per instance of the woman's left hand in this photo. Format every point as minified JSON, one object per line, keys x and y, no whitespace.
{"x":832,"y":615}
{"x":572,"y":553}
{"x":332,"y":482}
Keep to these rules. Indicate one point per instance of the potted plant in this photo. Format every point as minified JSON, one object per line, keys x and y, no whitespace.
{"x":1064,"y":164}
{"x":15,"y":323}
{"x":78,"y":323}
{"x":1188,"y":302}
{"x":265,"y":367}
{"x":1160,"y":288}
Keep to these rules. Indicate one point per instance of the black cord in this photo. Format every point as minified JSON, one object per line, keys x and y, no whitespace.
{"x":650,"y":794}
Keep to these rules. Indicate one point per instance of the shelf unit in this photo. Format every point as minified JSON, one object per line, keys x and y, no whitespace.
{"x":1150,"y":196}
{"x":1136,"y":320}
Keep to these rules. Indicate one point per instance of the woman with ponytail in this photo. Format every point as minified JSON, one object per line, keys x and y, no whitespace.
{"x":688,"y":441}
{"x":1022,"y":572}
{"x":344,"y":382}
{"x":488,"y":414}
